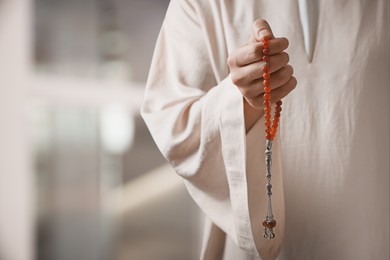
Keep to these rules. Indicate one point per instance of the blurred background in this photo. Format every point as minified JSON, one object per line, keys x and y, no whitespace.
{"x":80,"y":176}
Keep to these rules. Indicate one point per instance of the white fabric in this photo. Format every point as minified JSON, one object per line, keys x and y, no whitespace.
{"x":334,"y":132}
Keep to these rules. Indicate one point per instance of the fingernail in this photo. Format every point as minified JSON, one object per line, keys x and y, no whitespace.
{"x":263,"y":33}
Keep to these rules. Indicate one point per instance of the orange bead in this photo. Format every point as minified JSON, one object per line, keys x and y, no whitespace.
{"x":271,"y":127}
{"x":266,"y":75}
{"x":269,"y":224}
{"x":265,"y":44}
{"x":266,"y":68}
{"x":266,"y":83}
{"x":266,"y":58}
{"x":266,"y":51}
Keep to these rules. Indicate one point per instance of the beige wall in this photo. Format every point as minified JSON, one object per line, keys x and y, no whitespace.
{"x":16,"y":189}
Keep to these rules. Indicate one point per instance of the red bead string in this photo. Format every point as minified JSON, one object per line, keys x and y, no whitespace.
{"x":270,"y":128}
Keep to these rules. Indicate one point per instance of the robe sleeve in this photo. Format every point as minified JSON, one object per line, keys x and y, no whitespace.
{"x":197,"y":122}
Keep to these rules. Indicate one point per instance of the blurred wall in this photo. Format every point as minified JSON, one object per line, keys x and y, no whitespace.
{"x":80,"y":176}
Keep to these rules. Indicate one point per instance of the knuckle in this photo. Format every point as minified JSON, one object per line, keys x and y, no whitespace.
{"x":285,"y":74}
{"x":258,"y":48}
{"x":246,"y":92}
{"x":278,"y":46}
{"x":281,"y":44}
{"x":256,"y":24}
{"x":289,"y":70}
{"x":292,"y":69}
{"x":293,"y":82}
{"x":286,"y":57}
{"x":230,"y":61}
{"x":255,"y":51}
{"x":289,"y":86}
{"x":286,"y":43}
{"x":236,"y":79}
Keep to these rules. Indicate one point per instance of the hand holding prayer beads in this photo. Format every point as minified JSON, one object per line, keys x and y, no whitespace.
{"x":246,"y":62}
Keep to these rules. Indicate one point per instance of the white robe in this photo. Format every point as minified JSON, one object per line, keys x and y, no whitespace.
{"x":333,"y":147}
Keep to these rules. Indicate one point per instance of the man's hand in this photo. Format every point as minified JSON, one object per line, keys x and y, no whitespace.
{"x":246,"y":67}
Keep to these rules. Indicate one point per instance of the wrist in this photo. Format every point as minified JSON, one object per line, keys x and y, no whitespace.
{"x":251,"y":115}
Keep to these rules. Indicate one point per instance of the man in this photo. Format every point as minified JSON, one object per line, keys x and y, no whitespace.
{"x":203,"y":106}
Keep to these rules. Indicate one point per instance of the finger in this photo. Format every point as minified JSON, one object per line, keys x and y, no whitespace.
{"x":283,"y":91}
{"x":277,"y":45}
{"x":254,"y":52}
{"x":278,"y":79}
{"x":281,"y":77}
{"x":260,"y":29}
{"x":276,"y":94}
{"x":278,"y":61}
{"x":246,"y":74}
{"x":246,"y":54}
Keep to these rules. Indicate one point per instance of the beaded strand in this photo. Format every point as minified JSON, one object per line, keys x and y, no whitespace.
{"x":270,"y":131}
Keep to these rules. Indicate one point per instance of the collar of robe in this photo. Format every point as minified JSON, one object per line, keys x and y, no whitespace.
{"x":308,"y":13}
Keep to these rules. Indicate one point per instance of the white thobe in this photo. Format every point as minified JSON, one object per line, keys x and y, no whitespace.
{"x":331,"y":158}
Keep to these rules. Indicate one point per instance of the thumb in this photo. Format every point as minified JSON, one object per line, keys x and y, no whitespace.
{"x":260,"y":29}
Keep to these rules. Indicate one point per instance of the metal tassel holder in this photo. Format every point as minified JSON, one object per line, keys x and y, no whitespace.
{"x":269,"y":223}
